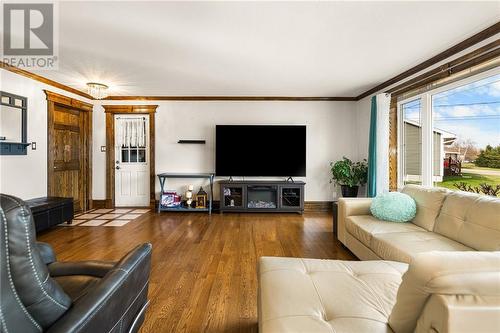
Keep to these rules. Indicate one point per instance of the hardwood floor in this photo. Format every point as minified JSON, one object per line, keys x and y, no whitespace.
{"x":204,"y":269}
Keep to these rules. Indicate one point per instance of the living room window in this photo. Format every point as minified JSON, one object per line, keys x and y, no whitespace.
{"x":411,"y":145}
{"x":450,"y":136}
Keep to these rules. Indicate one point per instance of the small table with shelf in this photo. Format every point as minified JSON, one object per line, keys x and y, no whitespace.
{"x":162,"y":177}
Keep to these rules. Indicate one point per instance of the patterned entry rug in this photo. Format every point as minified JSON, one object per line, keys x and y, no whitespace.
{"x":106,"y":217}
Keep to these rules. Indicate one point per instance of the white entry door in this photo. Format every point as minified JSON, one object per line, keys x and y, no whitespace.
{"x":131,"y":160}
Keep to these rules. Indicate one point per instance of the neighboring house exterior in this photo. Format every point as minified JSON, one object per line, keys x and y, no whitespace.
{"x":413,"y":150}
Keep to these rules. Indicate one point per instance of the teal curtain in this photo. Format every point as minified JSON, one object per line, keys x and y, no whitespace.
{"x":372,"y":151}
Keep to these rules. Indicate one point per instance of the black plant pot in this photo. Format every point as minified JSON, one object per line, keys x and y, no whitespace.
{"x":349,"y":191}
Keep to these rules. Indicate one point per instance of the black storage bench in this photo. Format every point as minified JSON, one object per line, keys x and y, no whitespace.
{"x":50,"y":211}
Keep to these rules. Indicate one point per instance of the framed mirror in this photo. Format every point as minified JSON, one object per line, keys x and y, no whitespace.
{"x":13,"y":124}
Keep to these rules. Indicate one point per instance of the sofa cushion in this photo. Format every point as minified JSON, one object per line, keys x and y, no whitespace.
{"x":312,"y":295}
{"x":394,"y":207}
{"x":403,"y":246}
{"x":462,"y":274}
{"x":471,"y":219}
{"x":429,"y":201}
{"x":363,"y":227}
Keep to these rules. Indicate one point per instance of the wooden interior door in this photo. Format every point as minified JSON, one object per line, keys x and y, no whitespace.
{"x":69,"y":154}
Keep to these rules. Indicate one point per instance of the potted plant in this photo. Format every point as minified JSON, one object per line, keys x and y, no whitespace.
{"x":349,"y":175}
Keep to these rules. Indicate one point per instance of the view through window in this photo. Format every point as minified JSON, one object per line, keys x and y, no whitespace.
{"x":465,"y":137}
{"x":469,"y":120}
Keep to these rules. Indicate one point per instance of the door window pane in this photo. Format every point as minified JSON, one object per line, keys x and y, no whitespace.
{"x":133,"y":155}
{"x":124,"y":155}
{"x":411,"y":149}
{"x":142,"y":155}
{"x":466,"y":124}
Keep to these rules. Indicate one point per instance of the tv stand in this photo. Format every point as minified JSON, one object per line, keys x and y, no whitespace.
{"x":261,"y":196}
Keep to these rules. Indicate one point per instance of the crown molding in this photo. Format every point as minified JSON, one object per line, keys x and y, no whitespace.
{"x":129,"y":108}
{"x":61,"y":86}
{"x":227,"y":98}
{"x":42,"y":79}
{"x":471,"y":41}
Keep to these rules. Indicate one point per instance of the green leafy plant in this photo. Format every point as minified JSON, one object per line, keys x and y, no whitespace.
{"x":349,"y":173}
{"x":493,"y":190}
{"x":489,"y":157}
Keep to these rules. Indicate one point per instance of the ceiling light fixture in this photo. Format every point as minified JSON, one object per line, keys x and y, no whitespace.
{"x":97,"y":90}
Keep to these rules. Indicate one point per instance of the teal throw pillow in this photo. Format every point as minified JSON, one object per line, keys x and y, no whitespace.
{"x":394,"y":207}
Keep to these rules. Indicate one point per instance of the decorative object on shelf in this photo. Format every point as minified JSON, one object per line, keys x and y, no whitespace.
{"x":201,"y":198}
{"x":97,"y":90}
{"x":349,"y":175}
{"x":170,"y":199}
{"x":162,"y":177}
{"x":189,"y":196}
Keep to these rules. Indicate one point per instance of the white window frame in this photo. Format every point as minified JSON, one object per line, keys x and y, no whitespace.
{"x":427,"y":126}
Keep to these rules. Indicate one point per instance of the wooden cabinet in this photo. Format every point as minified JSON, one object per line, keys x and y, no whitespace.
{"x":261,"y":196}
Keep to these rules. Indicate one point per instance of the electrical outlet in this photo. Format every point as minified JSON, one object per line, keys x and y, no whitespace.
{"x":33,"y":146}
{"x":103,"y":149}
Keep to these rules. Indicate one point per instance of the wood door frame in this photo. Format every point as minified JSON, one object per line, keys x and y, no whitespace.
{"x":54,"y":99}
{"x":110,"y":111}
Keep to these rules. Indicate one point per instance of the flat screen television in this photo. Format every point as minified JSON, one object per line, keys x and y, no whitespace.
{"x":260,"y":150}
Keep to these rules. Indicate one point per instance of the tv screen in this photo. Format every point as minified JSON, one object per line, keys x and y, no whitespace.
{"x":260,"y":150}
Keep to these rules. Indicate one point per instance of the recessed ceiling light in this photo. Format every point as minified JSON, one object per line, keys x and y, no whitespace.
{"x":97,"y":90}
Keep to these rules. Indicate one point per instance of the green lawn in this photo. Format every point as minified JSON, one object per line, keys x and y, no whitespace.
{"x":473,"y":166}
{"x":470,"y":179}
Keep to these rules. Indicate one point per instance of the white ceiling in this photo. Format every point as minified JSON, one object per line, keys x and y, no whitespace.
{"x":255,"y":48}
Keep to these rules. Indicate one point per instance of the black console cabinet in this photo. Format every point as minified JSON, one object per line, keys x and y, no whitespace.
{"x":50,"y":211}
{"x":261,"y":196}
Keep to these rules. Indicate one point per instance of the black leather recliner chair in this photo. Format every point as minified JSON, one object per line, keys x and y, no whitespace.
{"x":39,"y":294}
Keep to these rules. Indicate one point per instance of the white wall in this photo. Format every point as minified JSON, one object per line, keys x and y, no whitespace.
{"x":362,"y":128}
{"x":25,"y":176}
{"x":329,"y":137}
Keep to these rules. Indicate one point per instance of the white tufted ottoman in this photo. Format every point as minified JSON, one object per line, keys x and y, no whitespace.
{"x":313,"y":295}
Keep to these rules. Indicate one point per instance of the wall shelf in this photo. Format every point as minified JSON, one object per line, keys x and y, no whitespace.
{"x":196,"y":142}
{"x":13,"y":148}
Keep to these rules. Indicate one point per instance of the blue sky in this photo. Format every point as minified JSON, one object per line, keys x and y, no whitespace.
{"x":471,"y":111}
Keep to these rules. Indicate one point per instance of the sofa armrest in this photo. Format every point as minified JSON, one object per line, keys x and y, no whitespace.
{"x":46,"y":252}
{"x":90,"y":267}
{"x":350,"y":207}
{"x":118,"y":300}
{"x":460,"y":313}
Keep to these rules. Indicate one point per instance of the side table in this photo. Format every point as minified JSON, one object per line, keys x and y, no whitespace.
{"x":335,"y":217}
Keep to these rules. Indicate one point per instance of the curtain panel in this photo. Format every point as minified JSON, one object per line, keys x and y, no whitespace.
{"x":378,"y":149}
